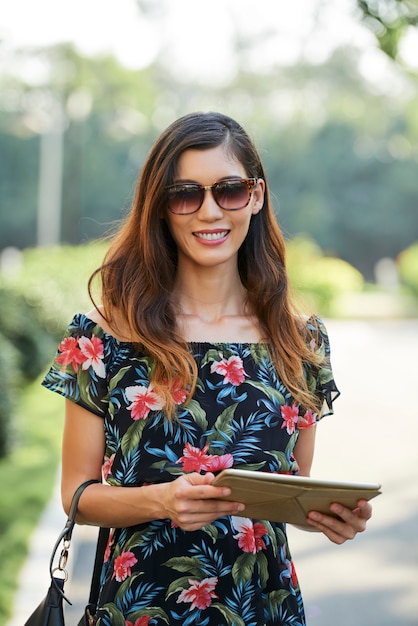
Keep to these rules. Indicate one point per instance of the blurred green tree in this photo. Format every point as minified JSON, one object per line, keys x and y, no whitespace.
{"x":339,"y":148}
{"x":389,"y":21}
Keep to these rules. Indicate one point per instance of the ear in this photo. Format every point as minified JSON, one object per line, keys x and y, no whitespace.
{"x":258,"y":196}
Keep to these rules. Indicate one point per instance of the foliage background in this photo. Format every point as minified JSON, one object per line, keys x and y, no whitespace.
{"x":338,"y":133}
{"x":339,"y":141}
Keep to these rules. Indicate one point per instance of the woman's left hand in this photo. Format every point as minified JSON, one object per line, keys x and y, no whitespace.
{"x":347,"y":526}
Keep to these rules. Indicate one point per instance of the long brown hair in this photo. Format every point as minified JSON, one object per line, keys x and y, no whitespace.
{"x":139,"y":268}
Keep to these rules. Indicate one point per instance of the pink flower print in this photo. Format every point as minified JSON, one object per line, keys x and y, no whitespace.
{"x":290,"y":415}
{"x":107,"y":466}
{"x":200,"y":593}
{"x":122,"y":566}
{"x":141,"y":621}
{"x":108,"y":547}
{"x":293,"y":575}
{"x":287,"y":568}
{"x":249,"y":535}
{"x":231,"y":369}
{"x":143,"y":400}
{"x":178,"y":392}
{"x":217,"y":463}
{"x":92,"y":350}
{"x":194,"y":459}
{"x":308,"y":420}
{"x":70,"y":353}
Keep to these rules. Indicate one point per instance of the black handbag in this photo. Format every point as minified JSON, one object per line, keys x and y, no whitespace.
{"x":50,"y":611}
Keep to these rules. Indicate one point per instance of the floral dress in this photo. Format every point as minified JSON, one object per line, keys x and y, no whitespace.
{"x":236,"y":571}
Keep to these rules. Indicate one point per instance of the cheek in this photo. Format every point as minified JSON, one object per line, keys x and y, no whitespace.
{"x":175,"y":229}
{"x":244,"y":221}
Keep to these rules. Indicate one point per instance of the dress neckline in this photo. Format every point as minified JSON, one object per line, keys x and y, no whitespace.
{"x":192,"y":343}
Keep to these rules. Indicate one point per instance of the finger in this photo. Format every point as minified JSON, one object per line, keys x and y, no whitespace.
{"x":336,"y":530}
{"x":193,"y":519}
{"x":365,"y":509}
{"x":334,"y":533}
{"x":208,"y":506}
{"x":197,"y":486}
{"x":353,"y":518}
{"x":199,"y":479}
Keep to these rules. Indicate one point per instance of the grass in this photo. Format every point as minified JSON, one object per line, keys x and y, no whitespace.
{"x":27,"y":477}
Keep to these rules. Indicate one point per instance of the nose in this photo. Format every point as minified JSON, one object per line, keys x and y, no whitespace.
{"x":210,"y":211}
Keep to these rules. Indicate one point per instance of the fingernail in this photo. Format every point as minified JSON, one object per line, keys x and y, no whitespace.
{"x":241,"y":507}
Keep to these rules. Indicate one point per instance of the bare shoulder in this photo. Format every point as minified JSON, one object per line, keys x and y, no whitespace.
{"x":115,"y":327}
{"x":96,"y":315}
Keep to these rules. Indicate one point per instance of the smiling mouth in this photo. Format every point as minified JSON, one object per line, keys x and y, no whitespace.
{"x":212,"y":236}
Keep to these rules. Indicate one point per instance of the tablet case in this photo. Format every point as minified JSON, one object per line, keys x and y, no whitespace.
{"x":288,"y":498}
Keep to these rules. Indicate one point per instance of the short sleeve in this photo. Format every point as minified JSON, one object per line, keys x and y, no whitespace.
{"x":78,"y":371}
{"x":320,"y":377}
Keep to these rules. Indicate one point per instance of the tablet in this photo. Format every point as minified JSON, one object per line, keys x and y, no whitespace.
{"x":288,"y":498}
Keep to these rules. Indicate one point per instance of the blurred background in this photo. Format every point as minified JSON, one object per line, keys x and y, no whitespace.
{"x":328,"y":90}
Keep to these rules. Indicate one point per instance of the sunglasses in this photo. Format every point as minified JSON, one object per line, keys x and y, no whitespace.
{"x":231,"y":195}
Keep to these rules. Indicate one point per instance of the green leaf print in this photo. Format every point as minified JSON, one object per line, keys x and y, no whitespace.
{"x":263,"y":569}
{"x":133,"y":435}
{"x":231,"y":618}
{"x":243,"y":568}
{"x":251,"y":467}
{"x":212,"y":531}
{"x":260,"y":352}
{"x":84,"y":380}
{"x":150,"y":611}
{"x":271,"y":393}
{"x":212,"y":355}
{"x":170,"y":469}
{"x":136,"y":540}
{"x":292,"y":442}
{"x":200,"y":384}
{"x":310,"y":381}
{"x":127,"y":583}
{"x":198,"y":414}
{"x":272,"y":535}
{"x":186,"y":564}
{"x":281,"y":537}
{"x":178,"y":585}
{"x":222,"y":427}
{"x":321,"y":350}
{"x":116,"y":617}
{"x":113,"y":482}
{"x":274,"y":600}
{"x":118,"y":377}
{"x":325,"y":375}
{"x":281,"y":458}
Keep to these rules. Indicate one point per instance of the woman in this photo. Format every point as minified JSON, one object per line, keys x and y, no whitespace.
{"x":195,"y":361}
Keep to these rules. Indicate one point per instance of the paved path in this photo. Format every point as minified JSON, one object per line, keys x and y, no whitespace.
{"x":372,"y":581}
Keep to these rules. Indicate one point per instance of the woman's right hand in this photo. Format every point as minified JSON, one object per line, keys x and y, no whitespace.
{"x":191,"y":501}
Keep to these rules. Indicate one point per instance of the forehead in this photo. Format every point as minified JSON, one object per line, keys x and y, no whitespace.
{"x":207,"y":166}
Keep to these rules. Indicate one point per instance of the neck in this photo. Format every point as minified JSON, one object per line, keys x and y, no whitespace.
{"x":210,"y":296}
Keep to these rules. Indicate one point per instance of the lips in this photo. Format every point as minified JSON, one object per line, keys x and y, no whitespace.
{"x":211,"y":235}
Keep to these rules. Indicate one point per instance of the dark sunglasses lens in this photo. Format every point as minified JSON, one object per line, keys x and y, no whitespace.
{"x":231,"y":194}
{"x":186,"y":199}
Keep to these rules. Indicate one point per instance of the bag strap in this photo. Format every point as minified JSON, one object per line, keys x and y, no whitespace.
{"x":65,"y":536}
{"x":98,"y":564}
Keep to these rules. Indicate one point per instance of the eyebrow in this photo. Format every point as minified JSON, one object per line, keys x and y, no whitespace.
{"x":189,"y":181}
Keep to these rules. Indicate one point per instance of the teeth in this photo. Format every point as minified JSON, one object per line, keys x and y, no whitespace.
{"x":212,"y":236}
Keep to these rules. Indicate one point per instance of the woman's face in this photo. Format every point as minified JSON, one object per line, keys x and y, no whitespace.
{"x":211,"y":236}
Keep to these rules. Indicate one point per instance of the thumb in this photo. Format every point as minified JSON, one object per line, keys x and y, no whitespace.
{"x":200,"y":479}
